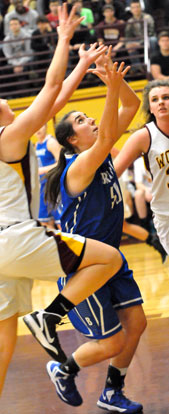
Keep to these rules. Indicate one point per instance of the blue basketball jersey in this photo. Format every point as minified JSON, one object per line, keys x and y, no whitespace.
{"x":44,"y":156}
{"x":98,"y":211}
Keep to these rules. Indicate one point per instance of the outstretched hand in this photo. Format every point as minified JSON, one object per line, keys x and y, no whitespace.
{"x":112,"y":76}
{"x":92,"y":54}
{"x":67,"y":23}
{"x":105,"y":61}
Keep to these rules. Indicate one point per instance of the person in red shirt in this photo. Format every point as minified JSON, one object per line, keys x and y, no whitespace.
{"x":53,"y":15}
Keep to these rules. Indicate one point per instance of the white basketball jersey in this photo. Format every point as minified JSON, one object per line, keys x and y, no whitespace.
{"x":157,"y":162}
{"x":19,"y":188}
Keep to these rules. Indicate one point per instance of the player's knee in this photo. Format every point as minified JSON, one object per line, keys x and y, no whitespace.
{"x":116,"y":261}
{"x":114,"y":345}
{"x":139,"y":325}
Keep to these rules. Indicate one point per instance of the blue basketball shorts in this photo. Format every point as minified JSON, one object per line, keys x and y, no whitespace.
{"x":96,"y":317}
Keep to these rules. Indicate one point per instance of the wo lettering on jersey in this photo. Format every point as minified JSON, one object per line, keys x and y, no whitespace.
{"x":162,"y":160}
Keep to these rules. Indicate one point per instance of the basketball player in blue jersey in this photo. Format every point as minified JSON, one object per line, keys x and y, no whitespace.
{"x":86,"y":182}
{"x":47,"y":151}
{"x":28,"y":249}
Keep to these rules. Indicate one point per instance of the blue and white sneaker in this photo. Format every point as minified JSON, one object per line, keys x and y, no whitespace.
{"x":64,"y":384}
{"x":115,"y":400}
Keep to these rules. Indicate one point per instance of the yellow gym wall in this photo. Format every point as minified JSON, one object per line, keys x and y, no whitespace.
{"x":90,"y":101}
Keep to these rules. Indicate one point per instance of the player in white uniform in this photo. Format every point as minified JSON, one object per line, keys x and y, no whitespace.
{"x":153,"y":142}
{"x":29,"y":250}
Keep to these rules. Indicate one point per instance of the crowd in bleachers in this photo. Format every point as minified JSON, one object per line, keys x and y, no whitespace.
{"x":28,"y":34}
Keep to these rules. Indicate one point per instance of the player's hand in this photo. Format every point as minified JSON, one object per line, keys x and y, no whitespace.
{"x":93,"y":53}
{"x":67,"y":23}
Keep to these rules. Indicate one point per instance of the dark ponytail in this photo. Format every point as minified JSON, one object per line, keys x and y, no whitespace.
{"x":63,"y":131}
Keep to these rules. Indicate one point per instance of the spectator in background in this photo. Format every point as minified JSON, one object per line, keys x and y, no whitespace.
{"x":160,"y":60}
{"x":119,"y":7}
{"x":53,"y":15}
{"x":96,"y":7}
{"x":43,"y":42}
{"x":87,"y":13}
{"x":16,"y":46}
{"x":31,"y":4}
{"x":17,"y":50}
{"x":111,"y":30}
{"x":27,"y":17}
{"x":134,"y":33}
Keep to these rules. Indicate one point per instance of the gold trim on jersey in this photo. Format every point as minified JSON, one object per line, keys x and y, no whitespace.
{"x":74,"y":244}
{"x":18,"y":168}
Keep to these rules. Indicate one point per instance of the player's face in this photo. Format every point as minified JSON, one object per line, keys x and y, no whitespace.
{"x":159,"y":102}
{"x":6,"y":114}
{"x":85,"y":129}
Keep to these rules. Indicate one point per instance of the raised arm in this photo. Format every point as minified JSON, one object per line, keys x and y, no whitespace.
{"x":135,"y":146}
{"x":129,"y":100}
{"x":129,"y":106}
{"x":83,"y":169}
{"x":87,"y":57}
{"x":15,"y":137}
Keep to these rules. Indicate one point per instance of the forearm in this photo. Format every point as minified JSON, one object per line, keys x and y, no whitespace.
{"x":108,"y":128}
{"x":57,"y":68}
{"x":128,"y":97}
{"x":128,"y":154}
{"x":69,"y":85}
{"x":129,"y":106}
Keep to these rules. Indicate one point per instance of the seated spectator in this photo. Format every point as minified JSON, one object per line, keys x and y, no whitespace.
{"x":53,"y":15}
{"x":96,"y":7}
{"x":27,"y":17}
{"x":119,"y":6}
{"x":43,"y":42}
{"x":111,"y":30}
{"x":87,"y":13}
{"x":17,"y":50}
{"x":134,"y":34}
{"x":160,"y":60}
{"x":31,"y":4}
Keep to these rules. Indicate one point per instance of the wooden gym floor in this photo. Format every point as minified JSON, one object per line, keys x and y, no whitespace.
{"x":28,"y":389}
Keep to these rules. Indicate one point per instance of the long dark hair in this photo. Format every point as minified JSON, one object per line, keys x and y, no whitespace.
{"x":146,"y":105}
{"x":63,"y":131}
